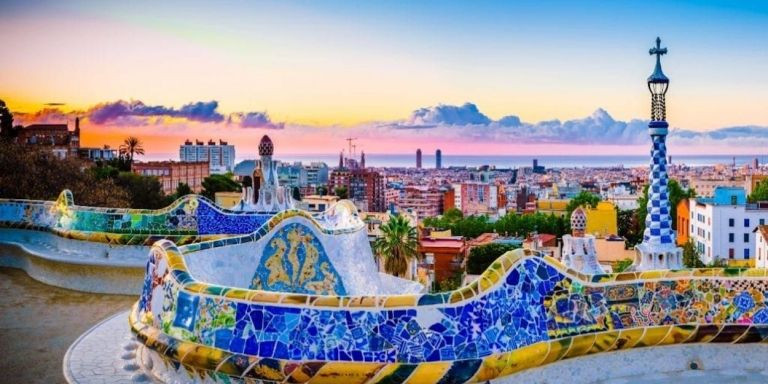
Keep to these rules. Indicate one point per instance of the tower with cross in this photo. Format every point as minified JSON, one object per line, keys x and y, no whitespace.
{"x":658,"y":249}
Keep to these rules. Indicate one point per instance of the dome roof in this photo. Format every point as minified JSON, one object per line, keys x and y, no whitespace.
{"x":266,"y":148}
{"x":578,"y":220}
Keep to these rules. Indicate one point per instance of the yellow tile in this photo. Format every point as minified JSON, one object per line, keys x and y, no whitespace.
{"x":580,"y":345}
{"x":679,"y":334}
{"x":669,"y":275}
{"x":605,"y":341}
{"x":653,"y":336}
{"x":651,"y":275}
{"x":400,"y":301}
{"x":429,"y":372}
{"x":294,"y":299}
{"x":557,"y":349}
{"x":628,"y":338}
{"x":352,"y":373}
{"x":327,"y":301}
{"x":263,"y":297}
{"x":362,"y":301}
{"x":626,"y":276}
{"x":491,"y":367}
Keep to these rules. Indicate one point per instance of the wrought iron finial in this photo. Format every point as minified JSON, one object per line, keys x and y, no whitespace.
{"x":658,"y":50}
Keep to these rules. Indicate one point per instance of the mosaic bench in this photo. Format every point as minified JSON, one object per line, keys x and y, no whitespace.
{"x":524,"y":311}
{"x":189,"y":219}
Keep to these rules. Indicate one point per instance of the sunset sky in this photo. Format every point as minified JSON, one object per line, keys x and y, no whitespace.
{"x":468,"y":77}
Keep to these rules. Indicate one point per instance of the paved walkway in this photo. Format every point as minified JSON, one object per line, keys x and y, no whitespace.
{"x":39,"y":322}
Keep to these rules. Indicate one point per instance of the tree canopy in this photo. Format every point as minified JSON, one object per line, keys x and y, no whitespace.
{"x":481,"y":257}
{"x":511,"y":224}
{"x":584,"y":198}
{"x":218,"y":183}
{"x":760,"y":193}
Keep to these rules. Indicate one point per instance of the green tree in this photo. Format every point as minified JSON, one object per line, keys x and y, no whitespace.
{"x":629,"y":227}
{"x":450,"y":283}
{"x":622,"y":265}
{"x":398,"y":245}
{"x":481,"y":257}
{"x":676,"y":193}
{"x":145,"y":192}
{"x":30,"y":173}
{"x":760,"y":193}
{"x":453,"y":215}
{"x":132,"y":146}
{"x":182,"y":190}
{"x":7,"y":130}
{"x":218,"y":183}
{"x":341,"y":192}
{"x":584,"y":198}
{"x":691,"y":258}
{"x":296,"y":193}
{"x":321,"y":190}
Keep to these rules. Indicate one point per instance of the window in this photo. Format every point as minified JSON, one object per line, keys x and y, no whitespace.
{"x":731,"y":222}
{"x":731,"y":236}
{"x":730,"y":253}
{"x":734,"y":200}
{"x":746,"y":237}
{"x":762,"y":221}
{"x":746,"y":223}
{"x":746,"y":253}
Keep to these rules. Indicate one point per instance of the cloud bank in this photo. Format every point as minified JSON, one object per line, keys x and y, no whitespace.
{"x":446,"y":123}
{"x":137,"y":113}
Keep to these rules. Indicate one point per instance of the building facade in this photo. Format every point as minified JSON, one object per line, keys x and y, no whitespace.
{"x":722,"y":226}
{"x":57,"y":138}
{"x":439,"y":159}
{"x":220,"y":156}
{"x":365,"y":187}
{"x":172,"y":173}
{"x":422,"y":201}
{"x":761,"y":246}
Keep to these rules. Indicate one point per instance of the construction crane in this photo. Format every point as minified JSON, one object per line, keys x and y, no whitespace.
{"x":349,"y":141}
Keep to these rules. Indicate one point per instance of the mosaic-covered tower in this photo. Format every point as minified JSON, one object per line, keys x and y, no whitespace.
{"x":658,"y":249}
{"x":579,"y":251}
{"x":271,"y":196}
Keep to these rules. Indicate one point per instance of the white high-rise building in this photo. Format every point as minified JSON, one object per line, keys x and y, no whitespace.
{"x":722,"y":226}
{"x":220,"y":156}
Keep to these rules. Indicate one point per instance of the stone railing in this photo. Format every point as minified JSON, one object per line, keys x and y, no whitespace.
{"x":524,"y":311}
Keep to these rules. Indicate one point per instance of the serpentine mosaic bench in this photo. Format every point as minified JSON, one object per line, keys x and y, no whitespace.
{"x":189,"y":219}
{"x":524,"y":311}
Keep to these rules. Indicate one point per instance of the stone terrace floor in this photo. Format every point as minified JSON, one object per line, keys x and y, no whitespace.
{"x":39,"y":322}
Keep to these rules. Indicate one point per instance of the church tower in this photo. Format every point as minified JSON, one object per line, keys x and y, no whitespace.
{"x":658,"y":249}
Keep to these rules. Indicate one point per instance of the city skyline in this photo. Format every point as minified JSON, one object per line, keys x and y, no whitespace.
{"x":467,"y":78}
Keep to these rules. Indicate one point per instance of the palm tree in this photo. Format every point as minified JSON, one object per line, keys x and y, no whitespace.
{"x":398,"y":245}
{"x":132,"y":145}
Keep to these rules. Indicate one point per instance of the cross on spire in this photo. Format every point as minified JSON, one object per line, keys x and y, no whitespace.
{"x":658,"y":50}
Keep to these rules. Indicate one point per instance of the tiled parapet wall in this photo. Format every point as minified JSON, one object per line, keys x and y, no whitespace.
{"x":524,"y":311}
{"x":189,"y":219}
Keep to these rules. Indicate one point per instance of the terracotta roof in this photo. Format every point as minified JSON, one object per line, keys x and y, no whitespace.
{"x":763,"y":230}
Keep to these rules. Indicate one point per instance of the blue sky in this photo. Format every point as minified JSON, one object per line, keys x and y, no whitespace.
{"x":347,"y":64}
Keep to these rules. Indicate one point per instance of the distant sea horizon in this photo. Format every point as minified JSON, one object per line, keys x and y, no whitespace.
{"x":502,"y":161}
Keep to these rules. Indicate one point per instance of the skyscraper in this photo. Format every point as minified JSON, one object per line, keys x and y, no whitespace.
{"x":438,"y":159}
{"x":418,"y":158}
{"x":658,"y":249}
